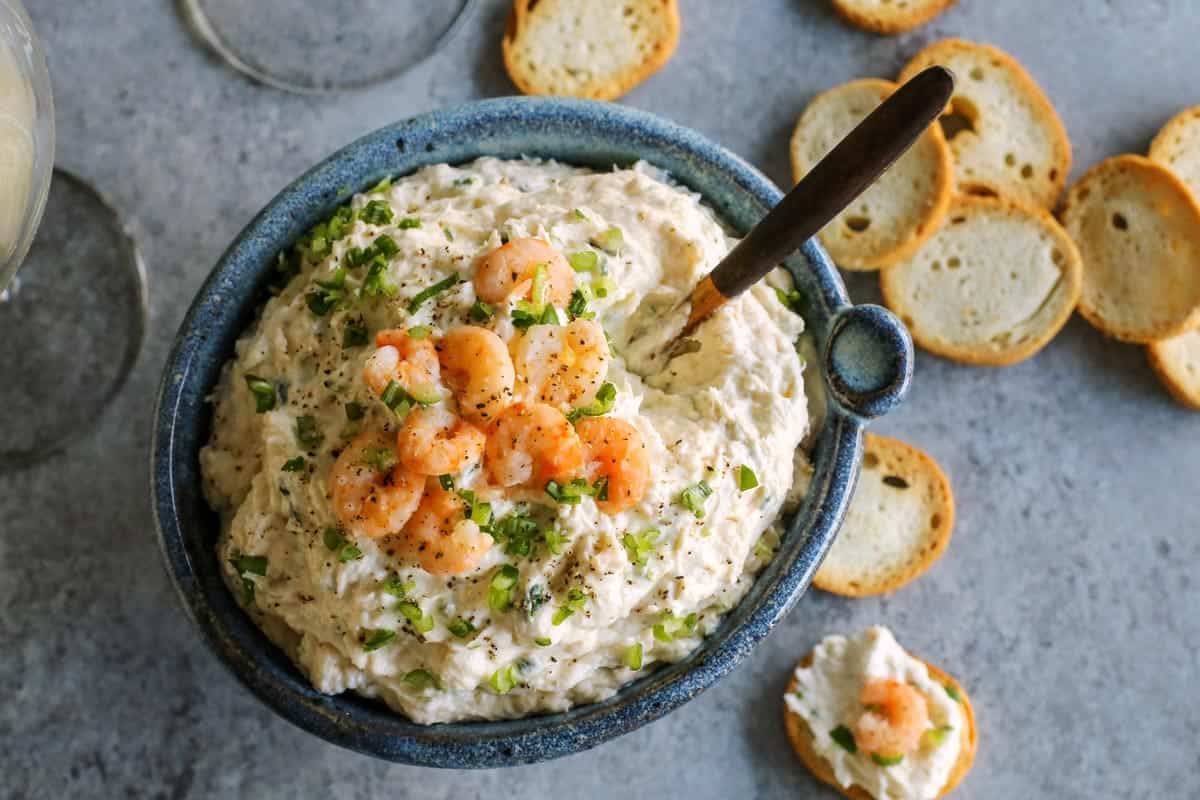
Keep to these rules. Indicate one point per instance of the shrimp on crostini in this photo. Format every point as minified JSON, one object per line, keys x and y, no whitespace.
{"x":476,"y":365}
{"x":398,"y":357}
{"x":509,"y":271}
{"x":436,"y":441}
{"x":530,"y":445}
{"x":440,"y":537}
{"x":562,"y":366}
{"x":373,"y":495}
{"x":615,"y":450}
{"x":896,"y":717}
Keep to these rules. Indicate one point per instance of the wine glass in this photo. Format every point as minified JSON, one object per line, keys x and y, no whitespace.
{"x":72,"y":319}
{"x":318,"y":46}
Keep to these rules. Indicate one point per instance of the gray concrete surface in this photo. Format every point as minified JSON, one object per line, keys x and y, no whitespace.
{"x":1066,"y":603}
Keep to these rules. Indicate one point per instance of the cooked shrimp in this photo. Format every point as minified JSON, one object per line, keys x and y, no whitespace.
{"x":435,"y":441}
{"x":439,"y":537}
{"x":531,"y":445}
{"x":614,"y":449}
{"x":476,"y":365}
{"x":563,"y":367}
{"x":372,"y":494}
{"x":508,"y":271}
{"x":896,"y":716}
{"x":412,"y":363}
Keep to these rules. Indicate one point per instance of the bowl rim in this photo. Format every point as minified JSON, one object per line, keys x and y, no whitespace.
{"x":364,"y":725}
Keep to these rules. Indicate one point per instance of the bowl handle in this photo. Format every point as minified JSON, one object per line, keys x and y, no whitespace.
{"x":868,"y":360}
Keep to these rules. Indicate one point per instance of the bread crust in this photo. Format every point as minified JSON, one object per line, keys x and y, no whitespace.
{"x":890,"y":24}
{"x":1061,"y":146}
{"x":1162,"y":141}
{"x":801,"y":738}
{"x":1077,"y":202}
{"x":610,"y":88}
{"x":1171,"y":377}
{"x":889,"y":284}
{"x":935,"y":209}
{"x":894,"y":453}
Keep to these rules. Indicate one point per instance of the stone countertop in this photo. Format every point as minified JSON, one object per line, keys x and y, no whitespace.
{"x":1066,"y":602}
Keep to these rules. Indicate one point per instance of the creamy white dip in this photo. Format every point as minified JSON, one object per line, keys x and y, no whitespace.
{"x":737,"y":401}
{"x":827,"y":695}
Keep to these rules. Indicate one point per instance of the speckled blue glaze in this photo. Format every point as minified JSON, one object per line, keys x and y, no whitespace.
{"x":866,"y":360}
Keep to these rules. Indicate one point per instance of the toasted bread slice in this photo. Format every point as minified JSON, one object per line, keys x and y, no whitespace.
{"x":1177,"y":147}
{"x":1005,"y":135}
{"x":1177,"y":363}
{"x":588,"y":49}
{"x":992,"y":287}
{"x":892,"y":219}
{"x":899,"y":523}
{"x":890,"y":16}
{"x":1138,"y":229}
{"x":801,"y":737}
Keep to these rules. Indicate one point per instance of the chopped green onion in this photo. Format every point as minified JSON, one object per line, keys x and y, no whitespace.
{"x":354,"y":411}
{"x":331,"y":294}
{"x":640,"y":546}
{"x":307,"y":432}
{"x":539,"y":295}
{"x":633,"y":656}
{"x":578,"y":213}
{"x":249,"y":565}
{"x":535,"y":599}
{"x":382,"y":186}
{"x":604,"y":286}
{"x":349,"y":553}
{"x":294,"y":464}
{"x":504,"y":679}
{"x":746,"y":479}
{"x":571,"y":492}
{"x":449,"y":234}
{"x":935,"y":737}
{"x":245,"y":566}
{"x":333,"y":539}
{"x":577,"y":306}
{"x":396,"y":587}
{"x":421,"y":622}
{"x":385,"y":246}
{"x":791,"y":299}
{"x":354,"y":335}
{"x":376,"y":212}
{"x":420,"y":332}
{"x":502,"y":587}
{"x":954,"y":695}
{"x":523,"y":316}
{"x":446,"y":482}
{"x":603,"y":403}
{"x":600,"y":487}
{"x":461,"y":627}
{"x":576,"y":600}
{"x":431,"y":292}
{"x":422,"y":679}
{"x":542,"y":641}
{"x":670,"y":627}
{"x":844,"y":737}
{"x":762,"y":548}
{"x":378,"y":282}
{"x":264,"y":393}
{"x":380,"y":458}
{"x":610,"y":241}
{"x":481,"y":311}
{"x":464,"y":181}
{"x":409,"y":222}
{"x":886,"y":761}
{"x":380,"y":637}
{"x":426,"y":394}
{"x":549,"y":316}
{"x":692,"y":498}
{"x":584,"y":261}
{"x":555,"y":539}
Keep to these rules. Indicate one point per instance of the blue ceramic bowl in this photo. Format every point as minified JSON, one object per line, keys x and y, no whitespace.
{"x":866,"y":362}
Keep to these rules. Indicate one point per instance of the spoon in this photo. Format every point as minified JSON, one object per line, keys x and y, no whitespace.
{"x":837,"y":179}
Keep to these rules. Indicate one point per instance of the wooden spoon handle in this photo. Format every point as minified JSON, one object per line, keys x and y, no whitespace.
{"x":837,"y":179}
